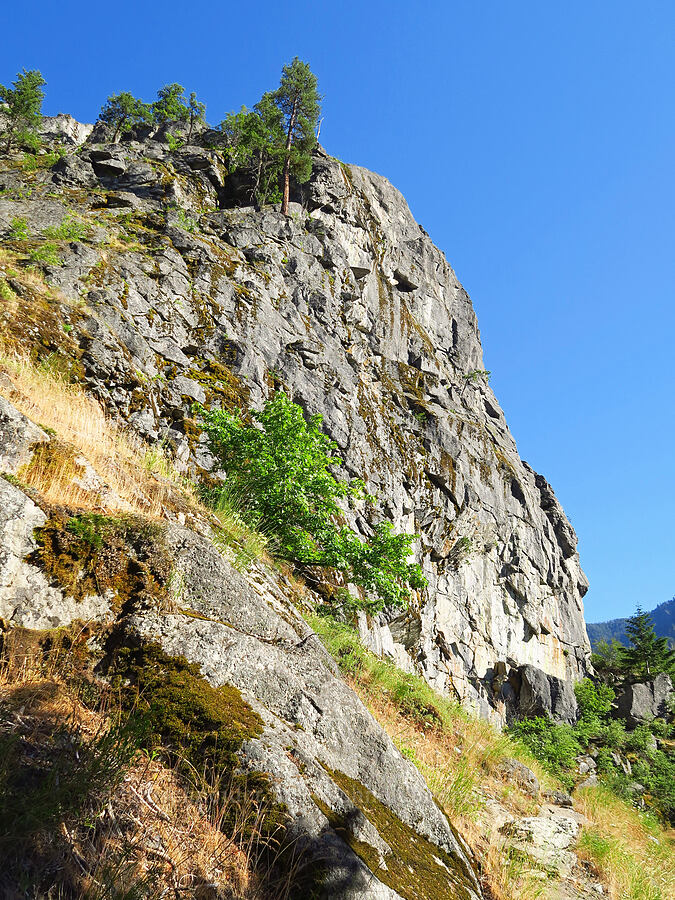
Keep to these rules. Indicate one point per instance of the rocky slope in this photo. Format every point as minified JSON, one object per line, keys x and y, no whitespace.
{"x":180,"y":295}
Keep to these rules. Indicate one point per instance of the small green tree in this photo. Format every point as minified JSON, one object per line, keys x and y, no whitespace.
{"x":123,"y":111}
{"x":171,"y":107}
{"x":648,"y":654}
{"x":254,"y":144}
{"x":606,"y":660}
{"x":280,"y":470}
{"x":275,"y":140}
{"x":196,"y":114}
{"x":300,"y":103}
{"x":22,"y":113}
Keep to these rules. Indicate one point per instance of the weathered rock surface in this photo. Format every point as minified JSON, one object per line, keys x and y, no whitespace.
{"x":642,"y":702}
{"x":18,"y":436}
{"x":27,"y":599}
{"x":540,"y":694}
{"x":547,"y":838}
{"x":320,"y":747}
{"x":349,"y":305}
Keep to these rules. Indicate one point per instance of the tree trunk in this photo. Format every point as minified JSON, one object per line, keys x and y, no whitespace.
{"x":287,"y":161}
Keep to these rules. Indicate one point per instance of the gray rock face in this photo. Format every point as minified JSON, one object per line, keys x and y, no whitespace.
{"x":547,"y":838}
{"x":27,"y":599}
{"x":545,"y":695}
{"x":520,"y":774}
{"x":18,"y":436}
{"x":349,"y":305}
{"x":248,"y":634}
{"x":640,"y":703}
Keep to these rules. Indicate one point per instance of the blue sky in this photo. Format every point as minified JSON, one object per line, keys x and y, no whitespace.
{"x":534,"y":141}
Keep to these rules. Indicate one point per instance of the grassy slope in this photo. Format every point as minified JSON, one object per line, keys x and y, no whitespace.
{"x":459,"y":757}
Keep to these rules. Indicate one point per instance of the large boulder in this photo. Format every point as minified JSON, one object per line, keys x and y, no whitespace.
{"x":642,"y":702}
{"x":545,"y":695}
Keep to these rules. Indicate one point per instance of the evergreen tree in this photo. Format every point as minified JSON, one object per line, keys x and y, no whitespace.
{"x":171,"y":106}
{"x":22,"y":114}
{"x":254,"y":142}
{"x":275,"y":140}
{"x":648,"y":654}
{"x":299,"y":101}
{"x":196,"y":114}
{"x":123,"y":111}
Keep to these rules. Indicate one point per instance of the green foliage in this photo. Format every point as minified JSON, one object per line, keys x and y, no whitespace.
{"x":648,"y":655}
{"x":18,"y":230}
{"x":594,"y":700}
{"x":196,"y":114}
{"x":123,"y":111}
{"x":254,"y":146}
{"x":300,"y":103}
{"x":476,"y":375}
{"x":47,"y":254}
{"x":607,"y":658}
{"x":280,"y":471}
{"x":275,"y":140}
{"x":69,"y":230}
{"x":22,"y":114}
{"x":174,"y":142}
{"x":171,"y":107}
{"x":555,"y":746}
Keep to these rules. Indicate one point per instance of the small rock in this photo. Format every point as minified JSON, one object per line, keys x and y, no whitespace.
{"x":523,"y":777}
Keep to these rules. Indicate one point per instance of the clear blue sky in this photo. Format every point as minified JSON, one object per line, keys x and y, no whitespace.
{"x":535,"y":141}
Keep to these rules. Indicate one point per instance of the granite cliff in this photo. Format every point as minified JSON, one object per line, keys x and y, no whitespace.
{"x":160,"y":289}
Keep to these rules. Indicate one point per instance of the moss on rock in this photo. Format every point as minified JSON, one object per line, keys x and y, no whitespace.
{"x":416,"y":869}
{"x":93,"y":554}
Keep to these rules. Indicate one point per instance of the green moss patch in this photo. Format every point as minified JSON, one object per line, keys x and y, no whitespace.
{"x":416,"y":869}
{"x":94,"y":554}
{"x":200,"y":728}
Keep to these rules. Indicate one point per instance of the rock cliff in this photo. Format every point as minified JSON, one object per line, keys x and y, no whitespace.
{"x":155,"y":288}
{"x":184,"y":295}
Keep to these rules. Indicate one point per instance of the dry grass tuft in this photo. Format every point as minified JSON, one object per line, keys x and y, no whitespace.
{"x":632,"y":853}
{"x":121,"y":473}
{"x":126,"y":827}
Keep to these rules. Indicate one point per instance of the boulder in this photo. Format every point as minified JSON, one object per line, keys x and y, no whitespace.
{"x":545,"y":695}
{"x":642,"y":702}
{"x":546,"y":839}
{"x":18,"y":435}
{"x":520,"y":774}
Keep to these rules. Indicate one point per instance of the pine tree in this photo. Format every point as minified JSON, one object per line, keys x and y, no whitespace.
{"x":648,"y":654}
{"x":23,"y":111}
{"x":275,"y":140}
{"x":254,"y":142}
{"x":299,"y":101}
{"x":171,"y":105}
{"x":123,"y":111}
{"x":196,"y":113}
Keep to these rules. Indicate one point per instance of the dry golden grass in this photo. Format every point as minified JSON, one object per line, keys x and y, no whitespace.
{"x":129,"y":476}
{"x":632,"y":853}
{"x":154,"y":835}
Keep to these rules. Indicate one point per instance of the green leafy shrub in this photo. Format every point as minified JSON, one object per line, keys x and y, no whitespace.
{"x":18,"y":229}
{"x":280,"y":471}
{"x":47,"y":254}
{"x":555,"y":746}
{"x":69,"y":230}
{"x":594,"y":700}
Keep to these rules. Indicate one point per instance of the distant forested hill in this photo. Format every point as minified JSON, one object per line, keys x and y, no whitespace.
{"x":664,"y":625}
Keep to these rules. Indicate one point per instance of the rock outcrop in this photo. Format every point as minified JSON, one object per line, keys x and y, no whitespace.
{"x":170,"y":297}
{"x":641,"y":702}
